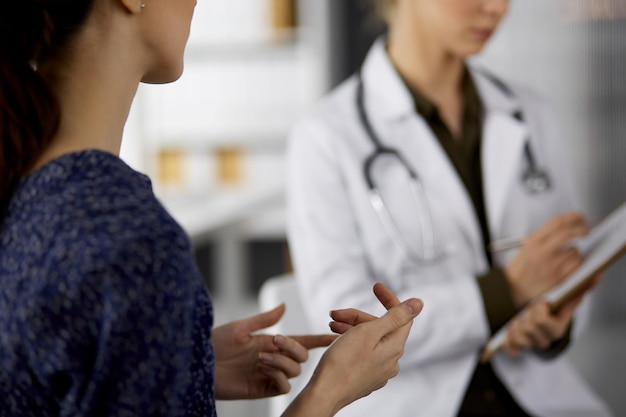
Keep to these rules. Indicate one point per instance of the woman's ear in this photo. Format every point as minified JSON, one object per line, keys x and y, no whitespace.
{"x":132,"y":6}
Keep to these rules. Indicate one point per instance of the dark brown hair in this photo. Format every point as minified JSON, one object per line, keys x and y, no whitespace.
{"x":33,"y":33}
{"x":382,"y":8}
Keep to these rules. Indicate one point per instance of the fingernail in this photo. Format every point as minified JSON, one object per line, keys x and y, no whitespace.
{"x":414,"y":305}
{"x":279,"y":340}
{"x":266,"y":357}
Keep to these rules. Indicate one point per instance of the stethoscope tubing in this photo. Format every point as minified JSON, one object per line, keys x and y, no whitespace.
{"x":535,"y":179}
{"x":418,"y":193}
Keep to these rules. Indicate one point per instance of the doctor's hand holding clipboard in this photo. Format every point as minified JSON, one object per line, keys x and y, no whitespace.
{"x":546,"y":257}
{"x":543,"y":319}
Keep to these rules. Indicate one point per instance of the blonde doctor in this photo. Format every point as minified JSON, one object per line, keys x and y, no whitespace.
{"x":406,"y":174}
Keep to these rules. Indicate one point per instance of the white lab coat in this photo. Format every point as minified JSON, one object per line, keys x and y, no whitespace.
{"x":340,"y":248}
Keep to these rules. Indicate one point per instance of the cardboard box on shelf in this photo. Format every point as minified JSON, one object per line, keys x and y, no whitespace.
{"x":229,"y":165}
{"x":170,"y":166}
{"x":283,"y":14}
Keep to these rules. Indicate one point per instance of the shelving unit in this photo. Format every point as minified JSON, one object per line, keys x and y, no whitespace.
{"x":248,"y":77}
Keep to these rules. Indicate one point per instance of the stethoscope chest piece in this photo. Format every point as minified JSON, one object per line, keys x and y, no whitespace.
{"x":537,"y":181}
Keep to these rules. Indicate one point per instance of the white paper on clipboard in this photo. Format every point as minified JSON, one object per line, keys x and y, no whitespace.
{"x":604,"y":245}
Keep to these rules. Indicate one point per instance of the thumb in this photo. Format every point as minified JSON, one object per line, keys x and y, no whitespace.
{"x":567,"y":310}
{"x":263,"y":320}
{"x":398,"y":316}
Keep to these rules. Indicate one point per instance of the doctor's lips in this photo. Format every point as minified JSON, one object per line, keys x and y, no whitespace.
{"x":483,"y":34}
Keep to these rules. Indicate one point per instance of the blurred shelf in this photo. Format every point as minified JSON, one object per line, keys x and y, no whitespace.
{"x":249,"y":141}
{"x":202,"y":215}
{"x":284,"y":44}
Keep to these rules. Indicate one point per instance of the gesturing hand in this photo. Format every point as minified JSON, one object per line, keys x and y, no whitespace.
{"x":256,"y":366}
{"x":344,"y":320}
{"x":362,"y":360}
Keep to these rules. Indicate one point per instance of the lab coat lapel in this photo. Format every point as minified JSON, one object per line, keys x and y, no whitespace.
{"x":502,"y":150}
{"x":393,"y":115}
{"x":441,"y":180}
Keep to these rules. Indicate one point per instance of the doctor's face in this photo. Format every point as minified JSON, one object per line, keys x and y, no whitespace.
{"x":461,"y":27}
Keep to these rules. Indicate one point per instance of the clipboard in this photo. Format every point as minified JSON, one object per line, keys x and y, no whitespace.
{"x":604,"y":245}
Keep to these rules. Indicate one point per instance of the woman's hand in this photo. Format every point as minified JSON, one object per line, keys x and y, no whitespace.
{"x":344,"y":320}
{"x":361,"y":361}
{"x":546,"y":257}
{"x":257,"y":366}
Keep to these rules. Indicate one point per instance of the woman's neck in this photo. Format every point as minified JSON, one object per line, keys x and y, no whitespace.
{"x":95,"y":91}
{"x":424,"y":65}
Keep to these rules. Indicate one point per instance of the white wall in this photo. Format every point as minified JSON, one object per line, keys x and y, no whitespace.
{"x":579,"y":66}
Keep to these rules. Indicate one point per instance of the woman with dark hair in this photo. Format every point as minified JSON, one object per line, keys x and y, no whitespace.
{"x":410,"y":173}
{"x":102,"y":309}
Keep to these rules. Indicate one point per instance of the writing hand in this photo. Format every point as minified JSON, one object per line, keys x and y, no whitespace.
{"x":546,"y":257}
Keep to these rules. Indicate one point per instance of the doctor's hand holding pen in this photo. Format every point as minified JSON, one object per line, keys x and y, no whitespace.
{"x":546,"y":257}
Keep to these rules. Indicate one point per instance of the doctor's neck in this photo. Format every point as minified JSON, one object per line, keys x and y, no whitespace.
{"x":423,"y":63}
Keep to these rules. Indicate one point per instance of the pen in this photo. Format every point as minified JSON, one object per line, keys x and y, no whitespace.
{"x":505,"y":244}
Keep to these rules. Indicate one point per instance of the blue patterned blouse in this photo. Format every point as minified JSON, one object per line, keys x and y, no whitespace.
{"x":102,"y":309}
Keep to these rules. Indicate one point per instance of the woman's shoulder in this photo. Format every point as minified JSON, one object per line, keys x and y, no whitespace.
{"x":91,"y":208}
{"x":86,"y":188}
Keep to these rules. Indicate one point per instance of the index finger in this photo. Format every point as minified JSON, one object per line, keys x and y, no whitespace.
{"x":351,"y":316}
{"x":312,"y":341}
{"x":385,"y":295}
{"x":562,"y":221}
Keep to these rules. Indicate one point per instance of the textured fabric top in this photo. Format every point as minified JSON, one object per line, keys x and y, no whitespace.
{"x":102,"y":309}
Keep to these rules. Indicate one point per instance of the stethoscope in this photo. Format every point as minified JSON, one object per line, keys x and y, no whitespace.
{"x":535,"y":179}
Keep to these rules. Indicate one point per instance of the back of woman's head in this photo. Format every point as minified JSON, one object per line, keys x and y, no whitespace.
{"x":34,"y":34}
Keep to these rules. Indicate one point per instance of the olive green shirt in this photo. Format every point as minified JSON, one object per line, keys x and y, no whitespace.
{"x":485,"y":395}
